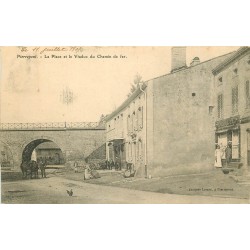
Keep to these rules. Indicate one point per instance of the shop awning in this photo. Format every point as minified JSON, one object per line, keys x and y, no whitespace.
{"x":226,"y":130}
{"x":115,"y":142}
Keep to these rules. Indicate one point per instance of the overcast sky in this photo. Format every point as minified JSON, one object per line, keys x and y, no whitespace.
{"x":31,"y":89}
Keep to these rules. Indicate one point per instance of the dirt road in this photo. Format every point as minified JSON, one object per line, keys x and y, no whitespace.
{"x":52,"y":190}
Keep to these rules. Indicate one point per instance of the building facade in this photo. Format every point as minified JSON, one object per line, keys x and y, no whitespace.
{"x":166,"y":126}
{"x":232,"y":98}
{"x":50,"y":152}
{"x":125,"y":129}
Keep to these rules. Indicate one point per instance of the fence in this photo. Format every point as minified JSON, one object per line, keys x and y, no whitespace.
{"x":51,"y":126}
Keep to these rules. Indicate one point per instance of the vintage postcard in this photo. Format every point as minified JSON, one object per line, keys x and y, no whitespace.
{"x":125,"y":125}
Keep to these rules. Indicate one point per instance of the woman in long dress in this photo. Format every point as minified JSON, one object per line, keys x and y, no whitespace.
{"x":218,"y":156}
{"x":87,"y":172}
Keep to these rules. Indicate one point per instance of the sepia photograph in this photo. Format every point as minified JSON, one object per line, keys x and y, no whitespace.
{"x":125,"y":124}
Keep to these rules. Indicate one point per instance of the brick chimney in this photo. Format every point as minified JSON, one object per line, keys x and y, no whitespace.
{"x":178,"y":58}
{"x":195,"y":61}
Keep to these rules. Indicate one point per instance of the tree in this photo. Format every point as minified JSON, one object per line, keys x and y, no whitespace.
{"x":135,"y":84}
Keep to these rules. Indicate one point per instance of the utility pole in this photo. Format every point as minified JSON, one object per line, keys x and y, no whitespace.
{"x":145,"y":130}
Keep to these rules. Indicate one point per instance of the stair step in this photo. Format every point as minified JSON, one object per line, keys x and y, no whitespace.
{"x":235,"y":165}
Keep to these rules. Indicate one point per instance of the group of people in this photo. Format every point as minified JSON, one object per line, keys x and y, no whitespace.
{"x":50,"y":159}
{"x":88,"y":173}
{"x":221,"y":153}
{"x":110,"y":164}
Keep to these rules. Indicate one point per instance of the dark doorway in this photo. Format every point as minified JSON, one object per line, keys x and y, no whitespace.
{"x":43,"y":148}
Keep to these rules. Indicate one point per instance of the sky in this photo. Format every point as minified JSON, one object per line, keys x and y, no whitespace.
{"x":32,"y":88}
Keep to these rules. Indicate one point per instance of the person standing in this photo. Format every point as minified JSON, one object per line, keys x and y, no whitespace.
{"x":228,"y":154}
{"x":42,"y":166}
{"x":76,"y":167}
{"x":218,"y":156}
{"x":87,"y":172}
{"x":112,"y":164}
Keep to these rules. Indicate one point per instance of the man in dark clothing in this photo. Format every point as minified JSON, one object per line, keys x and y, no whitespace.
{"x":112,"y":164}
{"x":42,"y":166}
{"x":107,"y":164}
{"x":228,"y":154}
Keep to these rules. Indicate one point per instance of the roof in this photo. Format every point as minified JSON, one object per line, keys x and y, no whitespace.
{"x":196,"y":65}
{"x":241,"y":51}
{"x":138,"y":91}
{"x":126,"y":102}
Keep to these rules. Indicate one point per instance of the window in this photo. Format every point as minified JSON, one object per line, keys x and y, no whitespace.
{"x":220,"y":105}
{"x":235,"y":99}
{"x":140,"y":118}
{"x":210,"y":110}
{"x":193,"y":94}
{"x":129,"y":124}
{"x":247,"y":91}
{"x":235,"y":71}
{"x":220,"y":79}
{"x":134,"y":122}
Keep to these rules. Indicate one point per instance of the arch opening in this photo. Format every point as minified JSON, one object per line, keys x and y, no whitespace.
{"x":43,"y":149}
{"x":6,"y":156}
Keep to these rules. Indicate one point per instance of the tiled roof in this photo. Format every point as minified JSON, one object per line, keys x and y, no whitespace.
{"x":233,"y":57}
{"x":126,"y":102}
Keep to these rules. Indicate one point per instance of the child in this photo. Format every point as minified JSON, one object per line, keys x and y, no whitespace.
{"x":76,"y":167}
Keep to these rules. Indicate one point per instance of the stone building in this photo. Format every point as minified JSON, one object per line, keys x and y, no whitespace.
{"x":232,"y":98}
{"x":125,"y":129}
{"x":51,"y":152}
{"x":166,"y":126}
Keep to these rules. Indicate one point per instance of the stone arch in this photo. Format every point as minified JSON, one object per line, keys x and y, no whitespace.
{"x":6,"y":155}
{"x":32,"y":143}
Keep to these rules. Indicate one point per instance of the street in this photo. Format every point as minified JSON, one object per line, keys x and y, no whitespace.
{"x":52,"y":190}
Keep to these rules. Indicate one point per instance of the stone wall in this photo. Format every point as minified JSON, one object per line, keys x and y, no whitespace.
{"x":183,"y":128}
{"x":71,"y":142}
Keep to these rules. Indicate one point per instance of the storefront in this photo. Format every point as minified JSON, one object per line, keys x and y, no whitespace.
{"x":228,"y":131}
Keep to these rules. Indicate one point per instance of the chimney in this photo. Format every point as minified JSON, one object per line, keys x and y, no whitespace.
{"x":195,"y":61}
{"x":178,"y":58}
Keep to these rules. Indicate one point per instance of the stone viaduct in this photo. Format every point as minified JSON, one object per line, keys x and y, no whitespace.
{"x":76,"y":140}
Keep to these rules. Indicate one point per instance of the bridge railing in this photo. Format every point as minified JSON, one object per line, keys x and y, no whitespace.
{"x":50,"y":125}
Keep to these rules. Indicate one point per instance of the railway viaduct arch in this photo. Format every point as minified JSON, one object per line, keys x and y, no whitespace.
{"x":74,"y":139}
